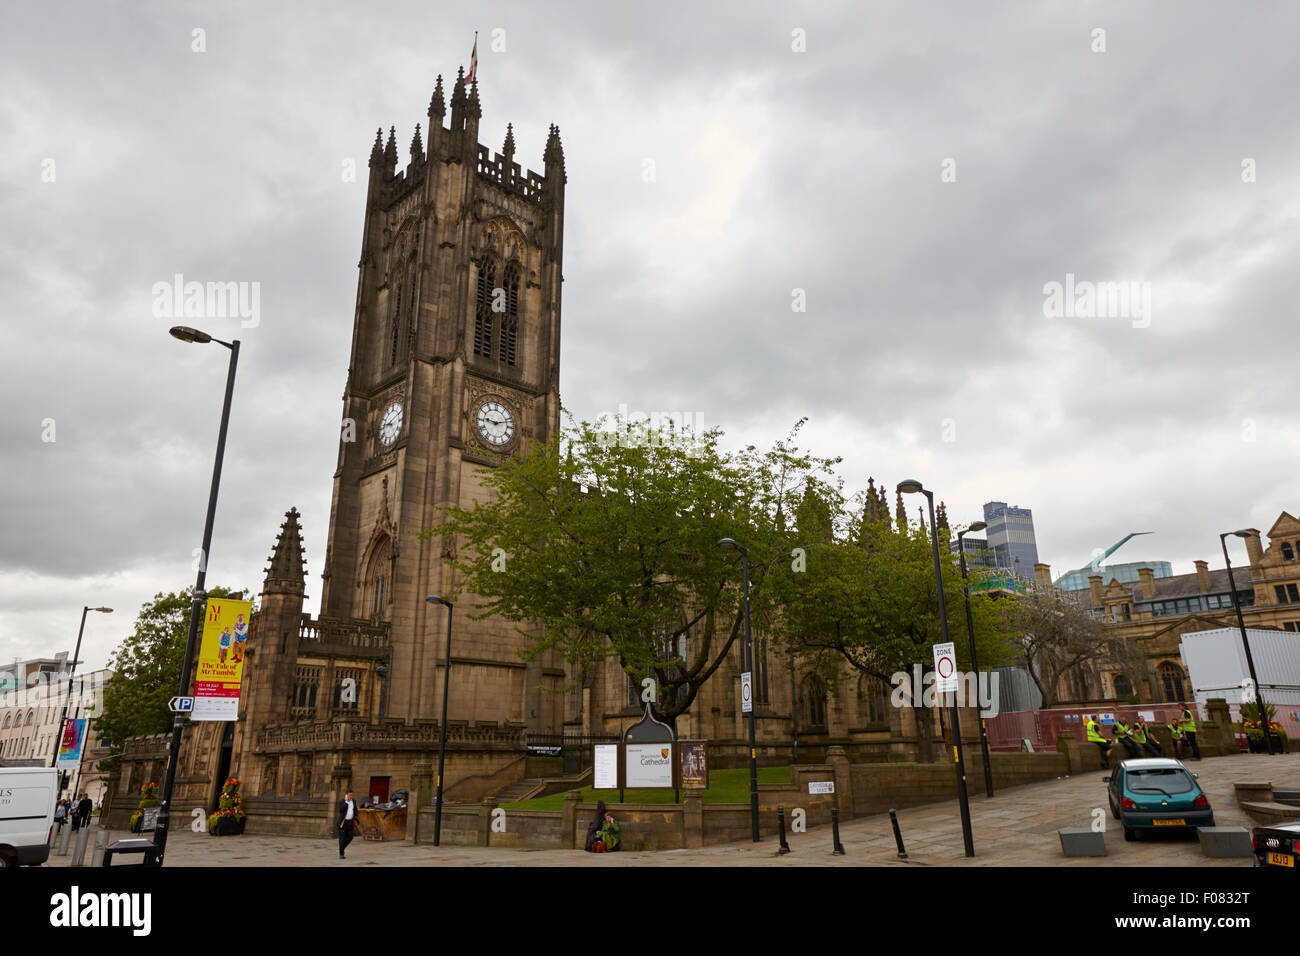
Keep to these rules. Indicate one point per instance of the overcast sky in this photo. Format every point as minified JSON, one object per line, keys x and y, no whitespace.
{"x":921,"y":171}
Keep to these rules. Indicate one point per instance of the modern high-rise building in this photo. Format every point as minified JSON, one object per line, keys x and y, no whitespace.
{"x":1010,"y":538}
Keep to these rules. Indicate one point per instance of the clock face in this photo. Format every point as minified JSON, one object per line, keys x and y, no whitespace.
{"x":495,"y":423}
{"x":391,"y":424}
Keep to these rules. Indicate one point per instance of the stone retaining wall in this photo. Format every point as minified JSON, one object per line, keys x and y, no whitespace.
{"x":860,"y":789}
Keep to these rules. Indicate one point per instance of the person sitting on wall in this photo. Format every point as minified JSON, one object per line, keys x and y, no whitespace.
{"x":1095,"y":737}
{"x":609,"y":833}
{"x":1145,"y":739}
{"x":1176,"y":730}
{"x":1124,"y":738}
{"x":594,"y":828}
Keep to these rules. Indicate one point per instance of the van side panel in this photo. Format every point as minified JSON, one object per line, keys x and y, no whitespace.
{"x":27,"y":797}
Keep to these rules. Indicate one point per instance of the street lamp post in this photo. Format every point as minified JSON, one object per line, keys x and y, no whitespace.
{"x":1245,"y":641}
{"x":731,"y":545}
{"x":974,"y":661}
{"x":186,"y":334}
{"x":442,"y":725}
{"x":63,"y":717}
{"x":911,"y":486}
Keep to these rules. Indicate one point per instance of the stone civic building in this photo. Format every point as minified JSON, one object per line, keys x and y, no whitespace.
{"x":454,"y":364}
{"x":1153,"y":613}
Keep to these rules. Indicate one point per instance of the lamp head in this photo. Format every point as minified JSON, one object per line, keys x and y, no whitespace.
{"x":103,"y":610}
{"x":909,"y":487}
{"x":435,"y":599}
{"x":729,"y":544}
{"x":977,"y":526}
{"x":187,"y":334}
{"x":1245,"y":533}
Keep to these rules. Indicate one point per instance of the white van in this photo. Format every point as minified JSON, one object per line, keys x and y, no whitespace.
{"x":27,"y":797}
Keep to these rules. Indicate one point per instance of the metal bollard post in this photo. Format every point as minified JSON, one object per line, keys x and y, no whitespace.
{"x":79,"y":851}
{"x":64,"y":835}
{"x":898,"y":836}
{"x":835,"y":831}
{"x":101,"y":842}
{"x":780,"y":817}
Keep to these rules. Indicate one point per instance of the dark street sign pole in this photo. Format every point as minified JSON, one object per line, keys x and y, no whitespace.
{"x":196,"y":606}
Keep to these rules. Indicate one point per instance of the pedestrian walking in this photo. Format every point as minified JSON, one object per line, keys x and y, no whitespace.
{"x":347,"y":822}
{"x":60,"y":816}
{"x":84,"y":806}
{"x":1094,"y":736}
{"x":1144,"y":739}
{"x":1189,"y":730}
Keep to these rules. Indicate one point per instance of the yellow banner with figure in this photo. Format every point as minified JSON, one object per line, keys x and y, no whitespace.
{"x":221,"y":659}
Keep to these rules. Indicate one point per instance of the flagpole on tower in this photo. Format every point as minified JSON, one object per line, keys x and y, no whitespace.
{"x":473,"y":59}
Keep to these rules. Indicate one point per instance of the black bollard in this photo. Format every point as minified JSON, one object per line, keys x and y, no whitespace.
{"x":780,"y":817}
{"x":835,"y":831}
{"x":898,"y":836}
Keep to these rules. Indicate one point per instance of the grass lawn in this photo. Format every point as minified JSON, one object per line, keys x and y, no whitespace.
{"x":725,"y":786}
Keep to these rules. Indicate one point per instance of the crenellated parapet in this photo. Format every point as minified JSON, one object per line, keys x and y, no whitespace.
{"x":509,"y":175}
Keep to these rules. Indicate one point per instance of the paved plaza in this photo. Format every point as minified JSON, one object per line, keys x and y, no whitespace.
{"x":1016,"y":828}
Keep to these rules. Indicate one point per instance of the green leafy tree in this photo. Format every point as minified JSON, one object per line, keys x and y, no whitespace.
{"x":603,"y":543}
{"x":864,"y":601}
{"x":1062,"y":644}
{"x":147,"y":670}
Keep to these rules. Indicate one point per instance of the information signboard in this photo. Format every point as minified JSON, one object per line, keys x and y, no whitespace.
{"x":693,"y":758}
{"x":649,"y":765}
{"x":604,"y":775}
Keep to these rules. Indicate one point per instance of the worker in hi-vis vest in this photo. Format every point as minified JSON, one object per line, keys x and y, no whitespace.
{"x":1125,"y":739}
{"x":1188,"y":723}
{"x":1144,"y":739}
{"x":1094,"y":736}
{"x":1176,"y":730}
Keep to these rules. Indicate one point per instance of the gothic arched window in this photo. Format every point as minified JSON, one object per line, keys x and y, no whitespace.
{"x":377,"y":580}
{"x":1123,"y":687}
{"x":812,"y":702}
{"x":394,"y":324}
{"x":1171,"y":681}
{"x":873,"y":693}
{"x":487,"y":280}
{"x":509,"y":322}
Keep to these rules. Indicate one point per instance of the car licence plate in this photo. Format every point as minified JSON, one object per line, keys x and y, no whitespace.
{"x":1176,"y":822}
{"x":1281,"y":859}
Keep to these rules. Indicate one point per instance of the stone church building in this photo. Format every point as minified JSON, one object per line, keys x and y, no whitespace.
{"x":455,"y":362}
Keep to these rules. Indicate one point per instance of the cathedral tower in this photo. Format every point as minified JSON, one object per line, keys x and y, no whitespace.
{"x":454,"y":364}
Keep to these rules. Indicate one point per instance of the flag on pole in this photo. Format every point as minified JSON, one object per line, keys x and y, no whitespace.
{"x":473,"y":59}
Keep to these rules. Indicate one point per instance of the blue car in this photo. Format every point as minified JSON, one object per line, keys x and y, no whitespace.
{"x":1157,"y":793}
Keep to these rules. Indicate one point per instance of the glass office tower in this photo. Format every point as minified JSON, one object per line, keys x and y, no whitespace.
{"x":1010,"y":538}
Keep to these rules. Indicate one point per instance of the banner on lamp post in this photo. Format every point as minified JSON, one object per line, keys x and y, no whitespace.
{"x":221,"y":659}
{"x":74,"y":738}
